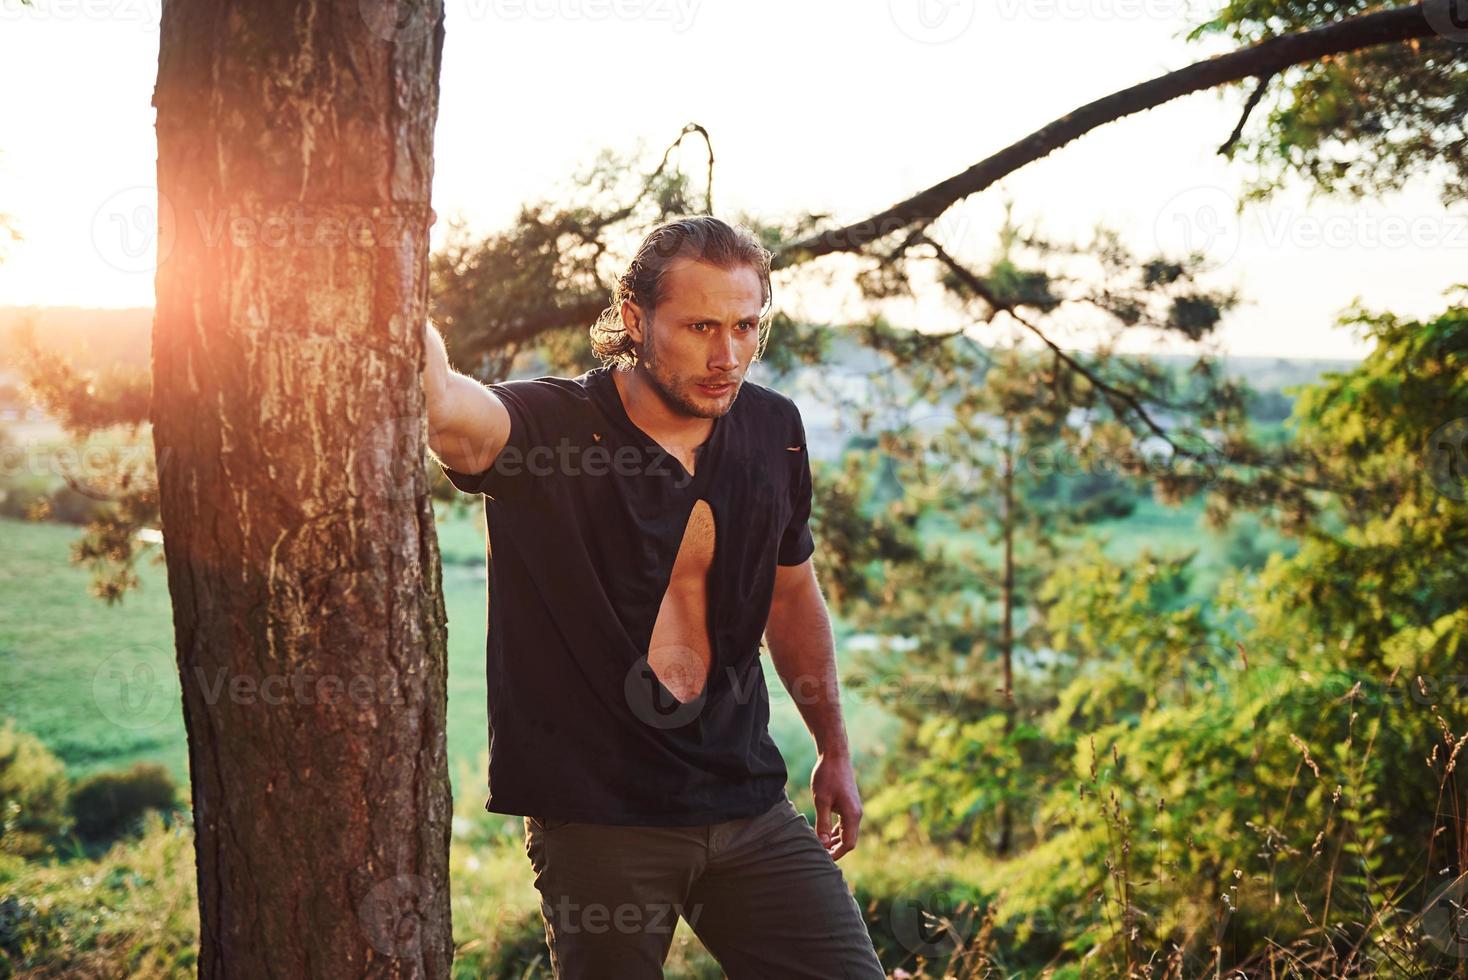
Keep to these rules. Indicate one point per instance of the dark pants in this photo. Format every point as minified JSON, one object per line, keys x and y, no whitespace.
{"x":761,"y":894}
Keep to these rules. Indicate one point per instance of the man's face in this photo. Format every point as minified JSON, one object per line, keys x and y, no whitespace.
{"x":705,"y":331}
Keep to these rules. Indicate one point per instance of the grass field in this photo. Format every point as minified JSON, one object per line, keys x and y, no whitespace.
{"x":100,"y":686}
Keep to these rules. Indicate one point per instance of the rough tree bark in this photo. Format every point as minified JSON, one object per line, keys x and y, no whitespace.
{"x":295,"y":154}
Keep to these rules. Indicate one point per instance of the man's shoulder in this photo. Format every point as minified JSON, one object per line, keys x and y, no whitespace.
{"x":768,"y":402}
{"x":548,"y":385}
{"x":547,"y":392}
{"x":773,"y":415}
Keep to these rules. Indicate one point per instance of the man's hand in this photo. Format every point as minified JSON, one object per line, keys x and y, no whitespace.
{"x":833,"y":786}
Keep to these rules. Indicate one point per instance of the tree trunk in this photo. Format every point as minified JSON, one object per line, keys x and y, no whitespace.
{"x":295,"y":156}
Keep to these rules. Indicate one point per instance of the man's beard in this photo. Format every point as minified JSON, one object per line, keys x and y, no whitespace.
{"x":674,"y":391}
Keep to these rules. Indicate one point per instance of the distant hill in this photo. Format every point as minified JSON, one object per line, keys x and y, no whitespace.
{"x":92,"y":338}
{"x":1262,"y":373}
{"x":1269,"y":373}
{"x":848,"y":370}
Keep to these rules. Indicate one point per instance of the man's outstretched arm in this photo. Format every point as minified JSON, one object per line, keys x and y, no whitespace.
{"x":467,"y":424}
{"x":798,"y":632}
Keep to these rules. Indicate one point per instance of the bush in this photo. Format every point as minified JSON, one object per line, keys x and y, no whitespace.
{"x":32,"y":794}
{"x":111,"y":805}
{"x":129,"y":912}
{"x":62,"y":505}
{"x":20,"y":503}
{"x":67,"y":506}
{"x":24,"y":928}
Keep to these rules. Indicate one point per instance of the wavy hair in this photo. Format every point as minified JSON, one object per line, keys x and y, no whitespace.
{"x":700,"y":237}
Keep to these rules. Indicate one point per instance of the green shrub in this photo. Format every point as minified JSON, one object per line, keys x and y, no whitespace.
{"x":64,"y":505}
{"x":68,"y":506}
{"x":25,"y":927}
{"x":20,"y":503}
{"x":111,"y":805}
{"x":129,"y":912}
{"x":33,"y":790}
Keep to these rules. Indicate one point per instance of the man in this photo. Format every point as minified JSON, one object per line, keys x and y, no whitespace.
{"x":648,"y":521}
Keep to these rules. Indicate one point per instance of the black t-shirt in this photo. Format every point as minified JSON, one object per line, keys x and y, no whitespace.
{"x":585,"y":514}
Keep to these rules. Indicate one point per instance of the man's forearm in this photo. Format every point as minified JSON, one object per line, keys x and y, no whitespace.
{"x":801,"y":645}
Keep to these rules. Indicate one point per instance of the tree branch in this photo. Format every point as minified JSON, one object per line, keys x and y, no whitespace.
{"x":1244,"y":116}
{"x":527,"y":328}
{"x":1267,"y":57}
{"x":981,"y":289}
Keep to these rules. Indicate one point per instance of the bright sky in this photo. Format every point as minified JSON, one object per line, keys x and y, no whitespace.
{"x":838,"y":107}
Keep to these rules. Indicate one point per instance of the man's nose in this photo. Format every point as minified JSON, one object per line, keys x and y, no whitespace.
{"x":723,"y":357}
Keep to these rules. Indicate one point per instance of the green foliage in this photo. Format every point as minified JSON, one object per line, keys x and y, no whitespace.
{"x":1118,"y":633}
{"x":129,"y":912}
{"x":32,"y":794}
{"x":1207,"y":785}
{"x":67,"y":505}
{"x":23,"y":504}
{"x":110,"y":486}
{"x":792,"y":343}
{"x":1383,"y":584}
{"x":1247,"y":544}
{"x":1359,"y":123}
{"x":965,"y":774}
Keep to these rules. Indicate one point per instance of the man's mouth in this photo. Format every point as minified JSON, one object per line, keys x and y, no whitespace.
{"x":718,"y":389}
